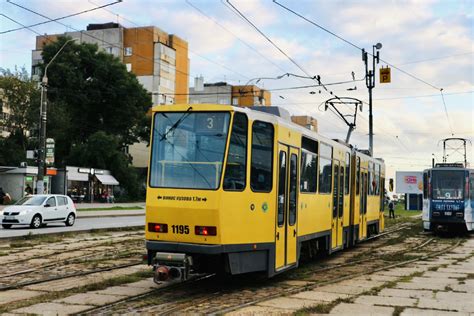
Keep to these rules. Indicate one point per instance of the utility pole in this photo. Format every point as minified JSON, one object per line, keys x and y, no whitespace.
{"x":43,"y":121}
{"x":370,"y":83}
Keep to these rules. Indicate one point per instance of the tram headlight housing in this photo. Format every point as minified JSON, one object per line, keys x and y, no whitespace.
{"x":157,"y":228}
{"x":205,"y":230}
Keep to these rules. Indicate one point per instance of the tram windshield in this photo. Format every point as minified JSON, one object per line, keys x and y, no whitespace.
{"x":188,"y":149}
{"x":447,"y":185}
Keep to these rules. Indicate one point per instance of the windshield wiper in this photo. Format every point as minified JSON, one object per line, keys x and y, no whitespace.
{"x":175,"y":125}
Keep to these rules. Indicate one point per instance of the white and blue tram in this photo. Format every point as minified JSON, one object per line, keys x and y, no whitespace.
{"x":448,"y":198}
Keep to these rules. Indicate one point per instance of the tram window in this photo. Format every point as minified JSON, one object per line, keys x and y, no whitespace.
{"x":281,"y":188}
{"x":335,"y":194}
{"x":358,"y":176}
{"x":325,"y":151}
{"x":293,"y":187}
{"x":471,"y":187}
{"x":370,"y":183}
{"x":382,"y":194}
{"x":235,"y":170}
{"x":425,"y":185}
{"x":325,"y":175}
{"x":309,"y":174}
{"x":348,"y":173}
{"x":261,"y":175}
{"x":377,"y":179}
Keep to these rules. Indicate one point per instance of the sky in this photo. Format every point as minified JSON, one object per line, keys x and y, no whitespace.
{"x":430,"y":42}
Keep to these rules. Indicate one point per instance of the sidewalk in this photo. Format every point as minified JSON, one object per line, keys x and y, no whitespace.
{"x":80,"y":206}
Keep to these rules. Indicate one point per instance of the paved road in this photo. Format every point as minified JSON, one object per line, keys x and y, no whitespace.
{"x":80,"y":225}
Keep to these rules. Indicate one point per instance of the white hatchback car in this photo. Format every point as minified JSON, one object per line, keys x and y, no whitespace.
{"x":37,"y":210}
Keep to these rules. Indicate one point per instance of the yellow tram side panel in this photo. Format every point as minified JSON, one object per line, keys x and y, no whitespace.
{"x":314,"y":213}
{"x":373,"y":208}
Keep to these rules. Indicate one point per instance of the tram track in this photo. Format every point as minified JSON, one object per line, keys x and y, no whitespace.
{"x":197,"y":297}
{"x":95,"y":258}
{"x":95,"y":244}
{"x":335,"y":280}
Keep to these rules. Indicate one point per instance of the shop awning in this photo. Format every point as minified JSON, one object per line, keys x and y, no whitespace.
{"x":107,"y":179}
{"x":76,"y":176}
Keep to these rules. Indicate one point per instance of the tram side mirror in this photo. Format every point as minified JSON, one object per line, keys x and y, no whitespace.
{"x":390,"y":185}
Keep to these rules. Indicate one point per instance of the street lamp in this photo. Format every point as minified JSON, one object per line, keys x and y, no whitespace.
{"x":370,"y":83}
{"x":43,"y":120}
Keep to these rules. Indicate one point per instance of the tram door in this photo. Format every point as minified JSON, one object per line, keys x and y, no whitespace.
{"x":286,"y":228}
{"x":363,"y":206}
{"x":337,"y":205}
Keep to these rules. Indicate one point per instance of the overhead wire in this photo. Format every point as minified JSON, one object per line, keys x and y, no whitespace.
{"x":233,"y":34}
{"x":177,"y":44}
{"x":87,"y":34}
{"x":316,"y":78}
{"x":236,"y":11}
{"x":359,"y":48}
{"x":61,"y":18}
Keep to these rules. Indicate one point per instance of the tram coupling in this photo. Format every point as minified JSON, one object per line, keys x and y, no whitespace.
{"x":171,"y":267}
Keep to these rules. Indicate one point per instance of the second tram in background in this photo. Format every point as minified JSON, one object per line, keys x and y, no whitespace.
{"x":448,"y":198}
{"x":238,"y":190}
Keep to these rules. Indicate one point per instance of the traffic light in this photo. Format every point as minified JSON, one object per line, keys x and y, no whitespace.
{"x":390,"y":185}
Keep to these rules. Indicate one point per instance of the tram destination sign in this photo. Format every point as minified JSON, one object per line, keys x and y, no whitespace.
{"x":182,"y":198}
{"x":447,"y":205}
{"x":449,"y":165}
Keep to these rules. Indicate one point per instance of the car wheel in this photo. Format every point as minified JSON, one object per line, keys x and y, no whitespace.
{"x":71,"y":218}
{"x":7,"y":226}
{"x":36,"y":221}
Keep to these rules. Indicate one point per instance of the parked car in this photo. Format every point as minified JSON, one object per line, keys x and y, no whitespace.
{"x":37,"y":210}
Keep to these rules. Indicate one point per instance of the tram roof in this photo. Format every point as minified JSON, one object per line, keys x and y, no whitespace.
{"x":264,"y":116}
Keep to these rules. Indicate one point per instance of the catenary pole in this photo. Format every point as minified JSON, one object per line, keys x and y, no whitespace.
{"x":43,"y":121}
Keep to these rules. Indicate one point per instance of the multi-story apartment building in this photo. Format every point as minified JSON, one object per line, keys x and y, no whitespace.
{"x":159,"y":60}
{"x":223,"y":93}
{"x":4,"y":114}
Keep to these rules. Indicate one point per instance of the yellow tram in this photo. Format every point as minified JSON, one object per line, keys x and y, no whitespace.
{"x":236,"y":190}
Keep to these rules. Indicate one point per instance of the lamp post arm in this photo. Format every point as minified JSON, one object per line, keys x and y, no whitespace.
{"x":54,"y":57}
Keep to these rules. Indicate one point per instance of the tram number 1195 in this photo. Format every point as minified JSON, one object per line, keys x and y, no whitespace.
{"x":180,"y":229}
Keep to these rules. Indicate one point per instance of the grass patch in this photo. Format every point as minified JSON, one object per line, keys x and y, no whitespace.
{"x":398,"y":310}
{"x":433,"y":268}
{"x":120,"y":280}
{"x":323,"y":308}
{"x":32,"y":240}
{"x":112,"y":208}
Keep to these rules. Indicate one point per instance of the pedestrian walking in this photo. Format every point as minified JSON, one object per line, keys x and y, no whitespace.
{"x":2,"y":196}
{"x":391,"y":209}
{"x":28,"y":190}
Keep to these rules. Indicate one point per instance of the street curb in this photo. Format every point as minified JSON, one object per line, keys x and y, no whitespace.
{"x":90,"y":230}
{"x":105,"y":215}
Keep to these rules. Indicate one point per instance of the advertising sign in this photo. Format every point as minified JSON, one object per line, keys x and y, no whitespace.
{"x":410,"y":182}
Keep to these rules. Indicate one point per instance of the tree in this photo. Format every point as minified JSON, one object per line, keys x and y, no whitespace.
{"x":100,"y":151}
{"x":20,"y":94}
{"x":93,"y":91}
{"x":96,"y":109}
